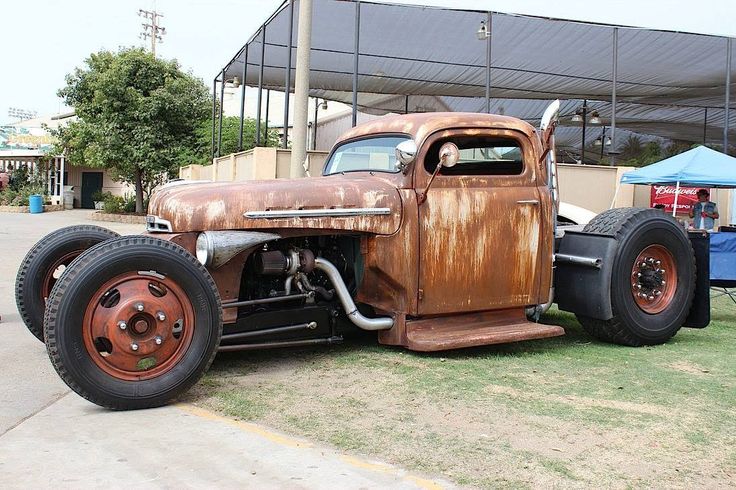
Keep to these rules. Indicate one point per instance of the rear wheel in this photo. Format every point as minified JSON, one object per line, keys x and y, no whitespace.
{"x":43,"y":266}
{"x":133,"y":323}
{"x":653,"y":280}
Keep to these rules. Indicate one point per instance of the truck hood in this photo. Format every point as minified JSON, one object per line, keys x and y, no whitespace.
{"x":356,"y":203}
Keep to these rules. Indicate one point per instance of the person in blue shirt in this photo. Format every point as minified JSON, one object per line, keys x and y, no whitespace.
{"x":704,"y":212}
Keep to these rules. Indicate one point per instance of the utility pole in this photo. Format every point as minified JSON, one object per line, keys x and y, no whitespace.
{"x":152,"y":28}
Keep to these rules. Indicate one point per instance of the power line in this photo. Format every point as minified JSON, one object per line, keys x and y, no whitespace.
{"x":151,"y":28}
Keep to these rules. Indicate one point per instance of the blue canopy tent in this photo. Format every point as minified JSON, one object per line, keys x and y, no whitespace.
{"x":700,"y":166}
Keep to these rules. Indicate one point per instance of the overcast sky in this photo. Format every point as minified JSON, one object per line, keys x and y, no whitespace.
{"x":43,"y":40}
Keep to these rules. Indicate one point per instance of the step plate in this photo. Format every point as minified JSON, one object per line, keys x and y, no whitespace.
{"x":469,"y":330}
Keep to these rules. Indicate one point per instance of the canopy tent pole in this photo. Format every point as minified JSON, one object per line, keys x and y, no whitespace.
{"x":260,"y":85}
{"x":406,"y":105}
{"x":356,"y":56}
{"x":612,"y":149}
{"x":677,"y":193}
{"x":222,"y":103}
{"x":301,"y":90}
{"x":615,"y":195}
{"x":287,"y":82}
{"x":214,"y":113}
{"x":488,"y":64}
{"x":728,"y":95}
{"x":242,"y":99}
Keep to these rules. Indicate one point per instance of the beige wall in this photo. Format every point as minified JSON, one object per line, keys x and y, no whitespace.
{"x":255,"y":164}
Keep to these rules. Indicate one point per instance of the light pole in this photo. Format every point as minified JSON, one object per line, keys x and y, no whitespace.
{"x":316,"y":112}
{"x":484,"y":34}
{"x":603,"y":142}
{"x":581,"y":116}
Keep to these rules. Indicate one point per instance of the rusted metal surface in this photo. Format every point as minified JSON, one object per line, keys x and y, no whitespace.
{"x":480,"y":237}
{"x":53,"y":273}
{"x":219,"y":206}
{"x":468,"y":330}
{"x":390,"y":275}
{"x":654,"y":279}
{"x":137,"y":326}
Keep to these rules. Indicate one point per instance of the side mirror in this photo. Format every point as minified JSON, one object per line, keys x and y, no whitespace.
{"x":449,"y":155}
{"x":406,"y":152}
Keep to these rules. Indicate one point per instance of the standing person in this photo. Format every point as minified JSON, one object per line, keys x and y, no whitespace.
{"x":704,"y":212}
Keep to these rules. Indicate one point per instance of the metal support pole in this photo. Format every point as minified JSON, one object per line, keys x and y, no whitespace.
{"x":222,"y":103}
{"x":356,"y":56}
{"x":406,"y":105}
{"x":242,"y":99}
{"x":301,"y":90}
{"x":287,"y":82}
{"x":265,"y":120}
{"x":612,"y":150}
{"x":488,"y":64}
{"x":728,"y":95}
{"x":214,"y":113}
{"x":585,"y":120}
{"x":705,"y":126}
{"x":603,"y":143}
{"x":260,"y":85}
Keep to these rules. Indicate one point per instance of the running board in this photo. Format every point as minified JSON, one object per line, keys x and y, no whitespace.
{"x":469,"y":330}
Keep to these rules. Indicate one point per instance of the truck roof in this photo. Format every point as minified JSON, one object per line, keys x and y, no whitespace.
{"x":419,"y":126}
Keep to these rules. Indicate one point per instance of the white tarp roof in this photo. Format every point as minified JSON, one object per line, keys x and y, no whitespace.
{"x":666,"y":80}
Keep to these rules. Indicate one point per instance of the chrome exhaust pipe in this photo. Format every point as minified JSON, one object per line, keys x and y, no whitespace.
{"x":382,"y":323}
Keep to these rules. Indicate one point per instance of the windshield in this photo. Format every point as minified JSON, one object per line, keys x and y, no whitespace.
{"x":369,"y":154}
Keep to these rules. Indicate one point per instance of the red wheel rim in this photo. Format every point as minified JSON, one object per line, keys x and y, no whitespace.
{"x":54,"y":273}
{"x":138,"y":325}
{"x":654,"y":279}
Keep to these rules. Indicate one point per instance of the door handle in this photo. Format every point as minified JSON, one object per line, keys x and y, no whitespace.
{"x":533,"y":202}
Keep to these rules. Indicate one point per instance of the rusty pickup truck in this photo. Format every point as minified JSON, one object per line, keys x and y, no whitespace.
{"x":437,"y":231}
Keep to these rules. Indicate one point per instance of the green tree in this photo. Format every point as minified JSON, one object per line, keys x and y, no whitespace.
{"x":201,"y":153}
{"x":136,"y":116}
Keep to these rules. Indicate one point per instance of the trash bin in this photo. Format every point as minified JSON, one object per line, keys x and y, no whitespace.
{"x":68,"y":197}
{"x":35,"y":202}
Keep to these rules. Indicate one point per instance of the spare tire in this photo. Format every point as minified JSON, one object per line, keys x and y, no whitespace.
{"x":43,"y":265}
{"x":653,"y":279}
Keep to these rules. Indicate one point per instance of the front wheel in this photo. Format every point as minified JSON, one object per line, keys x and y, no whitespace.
{"x":133,"y":323}
{"x":653,"y":279}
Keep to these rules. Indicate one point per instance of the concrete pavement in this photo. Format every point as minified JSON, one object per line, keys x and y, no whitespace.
{"x":50,"y":437}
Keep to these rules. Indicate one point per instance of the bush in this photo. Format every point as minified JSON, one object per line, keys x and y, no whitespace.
{"x":98,"y":196}
{"x":113,"y":204}
{"x":21,"y":195}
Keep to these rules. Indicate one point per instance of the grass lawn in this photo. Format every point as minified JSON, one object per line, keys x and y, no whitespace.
{"x":564,"y":412}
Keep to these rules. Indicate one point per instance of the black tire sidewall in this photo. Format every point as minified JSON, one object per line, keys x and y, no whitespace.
{"x":101,"y":264}
{"x":29,"y":295}
{"x":653,"y":328}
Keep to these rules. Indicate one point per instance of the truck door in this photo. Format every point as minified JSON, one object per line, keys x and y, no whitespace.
{"x":480,"y":227}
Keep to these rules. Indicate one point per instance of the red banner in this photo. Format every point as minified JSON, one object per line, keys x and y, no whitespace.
{"x":665,"y":194}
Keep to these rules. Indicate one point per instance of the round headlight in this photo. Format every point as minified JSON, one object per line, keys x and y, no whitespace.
{"x":204,"y":249}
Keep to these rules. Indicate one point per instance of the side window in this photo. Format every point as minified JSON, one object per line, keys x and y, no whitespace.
{"x":479,"y":155}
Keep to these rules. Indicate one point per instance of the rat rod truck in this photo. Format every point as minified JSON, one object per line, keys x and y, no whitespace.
{"x":438,"y":231}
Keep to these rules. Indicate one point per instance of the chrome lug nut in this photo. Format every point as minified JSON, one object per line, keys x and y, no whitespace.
{"x":638,"y":274}
{"x":134,"y":346}
{"x":122,"y":325}
{"x":651,"y":298}
{"x":139,"y":307}
{"x":657,"y":292}
{"x":160,"y":315}
{"x":158,"y":340}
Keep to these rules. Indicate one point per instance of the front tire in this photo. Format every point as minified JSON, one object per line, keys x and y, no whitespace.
{"x":133,"y":323}
{"x":43,"y":266}
{"x":653,"y":280}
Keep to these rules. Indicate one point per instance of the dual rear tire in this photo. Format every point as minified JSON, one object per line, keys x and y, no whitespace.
{"x":653,"y":279}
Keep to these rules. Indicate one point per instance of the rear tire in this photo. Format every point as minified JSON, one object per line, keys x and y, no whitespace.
{"x":43,"y":265}
{"x":649,"y":302}
{"x":172,"y":318}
